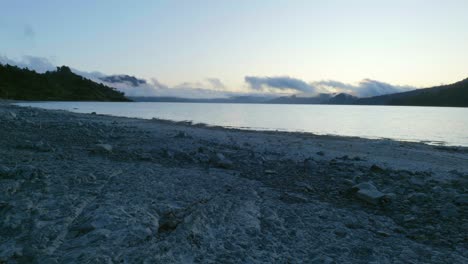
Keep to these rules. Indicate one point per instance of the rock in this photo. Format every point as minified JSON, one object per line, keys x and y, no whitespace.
{"x":203,"y":158}
{"x":309,"y":164}
{"x":221,"y":161}
{"x":340,"y":232}
{"x":417,"y":181}
{"x":145,"y":156}
{"x":448,"y":211}
{"x":321,"y":153}
{"x":182,"y":134}
{"x":4,"y":171}
{"x":13,"y":115}
{"x":93,"y":113}
{"x":43,"y":147}
{"x":461,"y":199}
{"x":323,"y":260}
{"x":382,"y":233}
{"x":168,"y":223}
{"x":105,"y":147}
{"x":437,"y":190}
{"x":376,"y":169}
{"x":366,"y":191}
{"x":418,"y":197}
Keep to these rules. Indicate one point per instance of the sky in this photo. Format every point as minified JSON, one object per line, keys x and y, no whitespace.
{"x":245,"y":45}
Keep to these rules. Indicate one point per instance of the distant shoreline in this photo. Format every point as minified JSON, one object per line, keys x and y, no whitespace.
{"x":429,"y":140}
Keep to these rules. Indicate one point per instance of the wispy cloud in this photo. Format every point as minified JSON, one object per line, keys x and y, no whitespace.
{"x":28,"y":31}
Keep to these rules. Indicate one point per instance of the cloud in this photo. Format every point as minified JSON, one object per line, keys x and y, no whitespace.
{"x":123,"y":78}
{"x":280,"y":83}
{"x":132,"y":86}
{"x":216,"y":83}
{"x":365,"y":88}
{"x":38,"y":64}
{"x":213,"y":87}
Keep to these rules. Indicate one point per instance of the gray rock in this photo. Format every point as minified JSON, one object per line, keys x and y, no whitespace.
{"x":418,"y":197}
{"x":417,"y":181}
{"x":367,"y":192}
{"x":4,"y":171}
{"x":449,"y":211}
{"x":105,"y":147}
{"x":221,"y":161}
{"x":461,"y":199}
{"x":182,"y":134}
{"x":13,"y":115}
{"x":43,"y":147}
{"x":376,"y":169}
{"x":168,"y":222}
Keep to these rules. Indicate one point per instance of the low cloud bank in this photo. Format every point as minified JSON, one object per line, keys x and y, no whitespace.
{"x":37,"y":64}
{"x":214,"y":88}
{"x":365,"y":88}
{"x":281,"y":83}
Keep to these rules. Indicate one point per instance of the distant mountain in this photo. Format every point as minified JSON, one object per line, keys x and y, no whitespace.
{"x":342,"y":99}
{"x":232,"y":100}
{"x":293,"y":99}
{"x":59,"y":85}
{"x":133,"y":81}
{"x":455,"y":95}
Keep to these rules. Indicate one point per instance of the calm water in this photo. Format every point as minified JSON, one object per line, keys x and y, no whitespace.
{"x":434,"y":125}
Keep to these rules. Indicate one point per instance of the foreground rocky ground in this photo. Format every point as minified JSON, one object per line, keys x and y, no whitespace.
{"x":78,"y":188}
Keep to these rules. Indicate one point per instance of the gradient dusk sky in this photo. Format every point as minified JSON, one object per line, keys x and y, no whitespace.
{"x":404,"y":42}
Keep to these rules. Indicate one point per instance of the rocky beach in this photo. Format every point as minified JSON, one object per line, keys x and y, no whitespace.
{"x":90,"y":188}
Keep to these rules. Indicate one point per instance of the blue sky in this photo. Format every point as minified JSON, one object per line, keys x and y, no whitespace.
{"x":411,"y":42}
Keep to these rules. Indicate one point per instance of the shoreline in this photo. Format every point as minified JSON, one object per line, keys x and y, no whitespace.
{"x":442,"y":144}
{"x":82,"y":187}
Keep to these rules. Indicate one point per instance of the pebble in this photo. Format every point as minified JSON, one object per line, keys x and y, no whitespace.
{"x":105,"y":147}
{"x":461,"y":199}
{"x":366,"y":191}
{"x":418,"y":197}
{"x":449,"y":211}
{"x":221,"y":161}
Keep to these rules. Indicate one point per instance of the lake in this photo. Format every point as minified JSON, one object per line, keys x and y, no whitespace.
{"x":432,"y":125}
